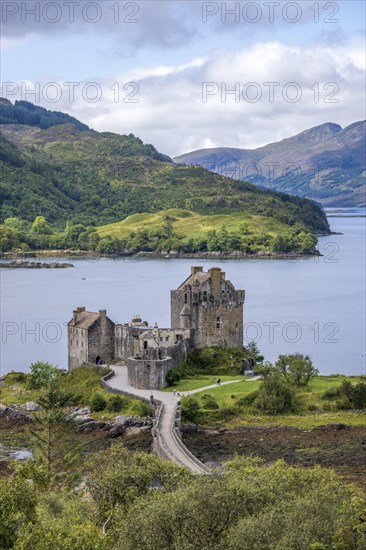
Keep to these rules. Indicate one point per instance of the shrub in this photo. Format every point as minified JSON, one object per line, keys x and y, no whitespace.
{"x":116,"y":403}
{"x":173,"y":376}
{"x":209,"y":402}
{"x":190,"y":409}
{"x":139,"y":408}
{"x":97,"y":402}
{"x":359,"y":396}
{"x":247,"y":400}
{"x":332,"y":393}
{"x":14,"y":377}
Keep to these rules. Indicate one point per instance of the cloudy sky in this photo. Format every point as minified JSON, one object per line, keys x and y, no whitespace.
{"x":187,"y":74}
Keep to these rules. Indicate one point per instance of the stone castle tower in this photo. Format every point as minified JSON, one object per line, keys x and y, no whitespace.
{"x":209,"y":304}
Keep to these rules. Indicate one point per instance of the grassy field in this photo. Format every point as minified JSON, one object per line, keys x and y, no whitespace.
{"x":232,"y":415}
{"x":201,"y":381}
{"x":188,"y":224}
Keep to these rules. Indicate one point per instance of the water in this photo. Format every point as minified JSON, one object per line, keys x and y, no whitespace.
{"x":311,"y":305}
{"x":14,"y":454}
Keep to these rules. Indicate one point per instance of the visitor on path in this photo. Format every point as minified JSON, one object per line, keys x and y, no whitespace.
{"x":218,"y":381}
{"x":174,"y":392}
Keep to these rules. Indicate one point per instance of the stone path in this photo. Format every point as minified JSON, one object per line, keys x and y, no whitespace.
{"x":173,"y":445}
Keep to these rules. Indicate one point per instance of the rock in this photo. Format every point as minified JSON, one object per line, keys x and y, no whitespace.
{"x":92,"y":425}
{"x":82,"y":411}
{"x":30,"y":406}
{"x":13,"y":414}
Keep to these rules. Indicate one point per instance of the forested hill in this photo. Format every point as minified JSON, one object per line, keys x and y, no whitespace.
{"x":24,"y":112}
{"x":95,"y":178}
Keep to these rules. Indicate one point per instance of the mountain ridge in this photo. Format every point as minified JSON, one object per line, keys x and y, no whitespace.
{"x":325,"y":163}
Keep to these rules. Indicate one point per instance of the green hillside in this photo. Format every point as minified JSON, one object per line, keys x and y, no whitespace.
{"x":188,"y":231}
{"x":75,"y":176}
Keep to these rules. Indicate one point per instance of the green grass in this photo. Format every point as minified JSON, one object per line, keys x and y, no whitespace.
{"x":201,"y":381}
{"x":187,"y":224}
{"x":232,"y":416}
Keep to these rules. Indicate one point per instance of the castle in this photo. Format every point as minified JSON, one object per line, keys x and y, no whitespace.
{"x":206,"y":311}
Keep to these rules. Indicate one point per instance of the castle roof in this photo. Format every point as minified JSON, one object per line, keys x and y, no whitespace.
{"x":85,"y":319}
{"x":196,"y":279}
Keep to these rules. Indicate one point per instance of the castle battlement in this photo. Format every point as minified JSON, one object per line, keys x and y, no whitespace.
{"x":206,"y":310}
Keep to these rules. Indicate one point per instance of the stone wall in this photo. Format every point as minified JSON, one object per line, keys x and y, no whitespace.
{"x":213,"y":309}
{"x":127,"y":343}
{"x":77,"y":347}
{"x":149,"y":369}
{"x":145,"y":374}
{"x":101,"y":341}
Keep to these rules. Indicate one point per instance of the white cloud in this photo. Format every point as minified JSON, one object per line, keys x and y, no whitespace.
{"x":170,"y":112}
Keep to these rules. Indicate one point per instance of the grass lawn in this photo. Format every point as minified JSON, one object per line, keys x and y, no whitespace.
{"x":231,"y":415}
{"x":201,"y":381}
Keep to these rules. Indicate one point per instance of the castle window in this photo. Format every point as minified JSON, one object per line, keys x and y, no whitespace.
{"x":161,"y":338}
{"x":218,"y":322}
{"x":166,"y":338}
{"x":185,"y":298}
{"x":145,"y":344}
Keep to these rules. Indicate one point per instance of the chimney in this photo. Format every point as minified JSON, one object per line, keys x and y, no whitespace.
{"x":196,"y":269}
{"x":215,"y":281}
{"x":103,"y":319}
{"x":76,"y":313}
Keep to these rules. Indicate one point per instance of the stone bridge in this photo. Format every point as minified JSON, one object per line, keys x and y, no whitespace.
{"x":168,"y":443}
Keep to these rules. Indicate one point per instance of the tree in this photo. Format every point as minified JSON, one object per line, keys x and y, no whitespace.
{"x":297,"y":369}
{"x":254,"y":350}
{"x":17,"y":509}
{"x":41,"y":374}
{"x":50,"y":456}
{"x":126,"y":476}
{"x":274,"y":396}
{"x":40,"y":226}
{"x":248,"y":506}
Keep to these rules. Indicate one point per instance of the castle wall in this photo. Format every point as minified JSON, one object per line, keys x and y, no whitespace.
{"x":101,"y":341}
{"x":127,"y":343}
{"x":148,"y":374}
{"x":77,"y":347}
{"x":149,"y":369}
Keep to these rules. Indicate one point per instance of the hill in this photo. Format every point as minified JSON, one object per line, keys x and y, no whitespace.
{"x":24,"y":112}
{"x":78,"y":176}
{"x":325,"y":163}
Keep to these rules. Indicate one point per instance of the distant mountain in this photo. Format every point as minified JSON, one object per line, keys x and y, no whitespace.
{"x":325,"y":163}
{"x":24,"y":112}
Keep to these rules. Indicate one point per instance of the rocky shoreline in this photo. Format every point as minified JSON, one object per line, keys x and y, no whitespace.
{"x":20,"y":264}
{"x":20,"y":261}
{"x":81,"y":418}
